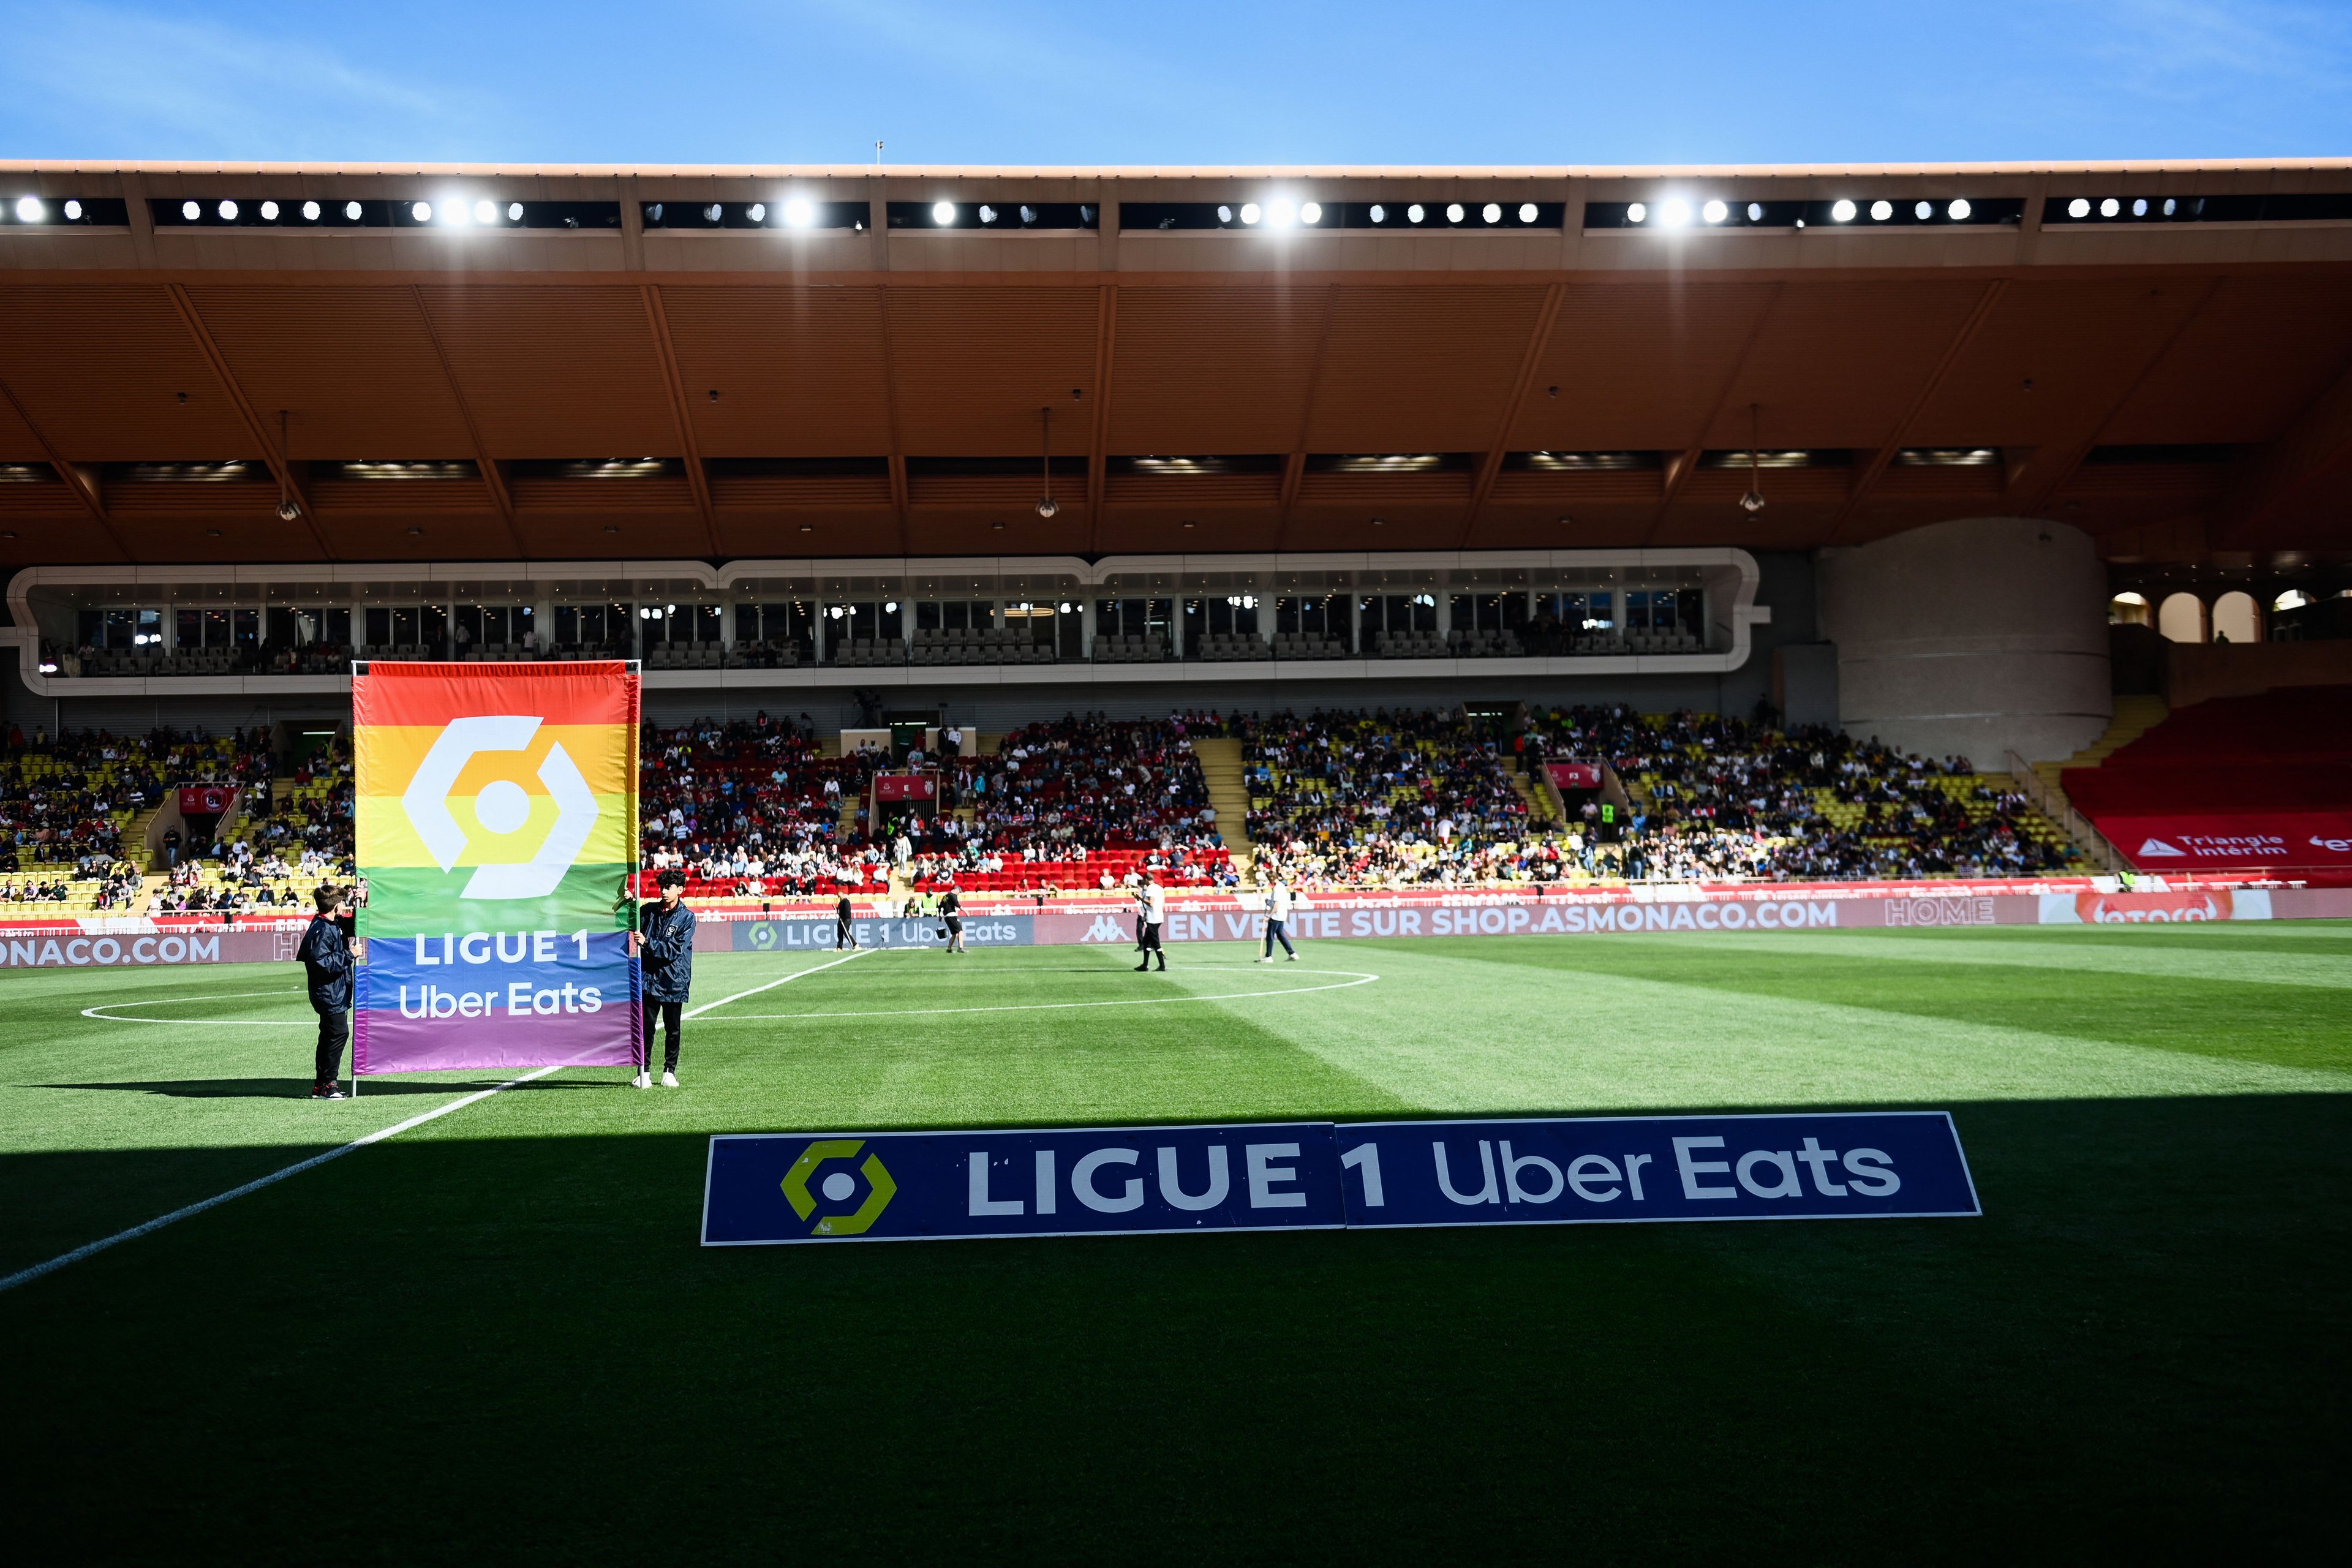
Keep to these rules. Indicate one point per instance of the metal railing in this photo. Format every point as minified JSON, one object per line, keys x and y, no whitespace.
{"x":2052,"y":803}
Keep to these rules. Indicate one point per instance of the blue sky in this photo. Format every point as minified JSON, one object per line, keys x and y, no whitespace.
{"x":1468,"y":81}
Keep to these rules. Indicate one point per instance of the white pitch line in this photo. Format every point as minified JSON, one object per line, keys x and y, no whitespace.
{"x":26,"y":1275}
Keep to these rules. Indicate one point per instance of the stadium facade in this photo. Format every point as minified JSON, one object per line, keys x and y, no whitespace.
{"x":1878,"y":445}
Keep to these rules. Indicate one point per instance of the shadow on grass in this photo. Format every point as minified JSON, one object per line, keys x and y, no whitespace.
{"x":300,"y":1088}
{"x":2133,"y":1352}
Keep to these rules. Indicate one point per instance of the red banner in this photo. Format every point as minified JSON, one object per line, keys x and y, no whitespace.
{"x":903,"y":786}
{"x":205,"y":800}
{"x":2233,"y":841}
{"x":1575,"y":775}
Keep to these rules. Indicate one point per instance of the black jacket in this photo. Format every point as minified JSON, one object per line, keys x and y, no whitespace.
{"x":666,"y":941}
{"x":326,"y":955}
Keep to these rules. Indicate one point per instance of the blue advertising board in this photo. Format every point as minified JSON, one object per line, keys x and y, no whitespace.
{"x":768,"y":1188}
{"x":807,"y":935}
{"x":765,"y":1188}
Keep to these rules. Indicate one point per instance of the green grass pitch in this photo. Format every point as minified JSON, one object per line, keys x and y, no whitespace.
{"x":494,"y":1336}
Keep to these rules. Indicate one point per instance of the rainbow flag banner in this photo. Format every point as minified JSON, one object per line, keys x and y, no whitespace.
{"x":497,"y":826}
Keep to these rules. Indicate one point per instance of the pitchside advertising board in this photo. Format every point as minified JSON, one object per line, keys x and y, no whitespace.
{"x":497,"y":824}
{"x":2233,"y":841}
{"x":765,"y":1189}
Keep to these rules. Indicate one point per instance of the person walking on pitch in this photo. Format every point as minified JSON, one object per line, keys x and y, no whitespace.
{"x":844,"y":925}
{"x":665,"y":947}
{"x":1151,"y":912}
{"x":1280,"y":902}
{"x":952,"y":915}
{"x":327,"y":953}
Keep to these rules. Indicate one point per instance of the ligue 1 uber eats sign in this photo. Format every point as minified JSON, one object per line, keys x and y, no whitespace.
{"x":1318,"y":1175}
{"x":497,"y":821}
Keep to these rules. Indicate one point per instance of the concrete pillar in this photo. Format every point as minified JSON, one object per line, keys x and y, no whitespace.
{"x":1977,"y":637}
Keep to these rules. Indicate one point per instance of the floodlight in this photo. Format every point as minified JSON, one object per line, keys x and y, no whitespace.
{"x":1225,"y":215}
{"x":1527,"y":212}
{"x":1715,"y":212}
{"x":189,"y":211}
{"x":1755,"y":212}
{"x":1923,"y":211}
{"x":1960,"y":209}
{"x":890,"y":608}
{"x":29,"y":210}
{"x":454,"y":212}
{"x":1029,"y":214}
{"x":799,"y":212}
{"x":1843,"y":212}
{"x":1881,"y":210}
{"x":2139,"y":208}
{"x":351,"y":211}
{"x":1674,"y":211}
{"x":2169,"y":206}
{"x":228,"y":211}
{"x":1065,"y":607}
{"x":1453,"y":212}
{"x":943,"y":213}
{"x":310,"y":212}
{"x":423,"y":212}
{"x":487,"y":211}
{"x":1413,"y":213}
{"x":1281,"y":213}
{"x":73,"y":211}
{"x":1311,"y":212}
{"x":2110,"y":207}
{"x":1637,"y":213}
{"x":987,"y":213}
{"x":1379,"y":213}
{"x":2078,"y":207}
{"x":514,"y":211}
{"x":269,"y":212}
{"x":1492,"y":211}
{"x":1250,"y":212}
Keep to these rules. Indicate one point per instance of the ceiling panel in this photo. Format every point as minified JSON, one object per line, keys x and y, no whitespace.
{"x":1835,"y":363}
{"x":799,"y":372}
{"x":2051,"y":361}
{"x":565,"y":370}
{"x":353,"y":369}
{"x":1214,"y":371}
{"x":1637,"y":365}
{"x":2257,"y":354}
{"x":104,"y":368}
{"x":1415,"y":369}
{"x":971,"y":367}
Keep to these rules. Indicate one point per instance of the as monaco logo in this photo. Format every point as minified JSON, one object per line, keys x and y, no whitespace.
{"x":2141,"y":909}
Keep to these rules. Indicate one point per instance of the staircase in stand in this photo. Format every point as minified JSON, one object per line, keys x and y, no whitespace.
{"x":2135,"y":717}
{"x":1220,"y":758}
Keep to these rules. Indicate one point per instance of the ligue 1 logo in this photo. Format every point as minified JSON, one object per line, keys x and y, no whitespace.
{"x":839,"y":1187}
{"x":503,"y":807}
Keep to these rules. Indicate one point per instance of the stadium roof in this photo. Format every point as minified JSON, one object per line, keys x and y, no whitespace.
{"x":462,"y":361}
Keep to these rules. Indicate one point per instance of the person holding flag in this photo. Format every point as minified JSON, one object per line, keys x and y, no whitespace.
{"x":329,"y":953}
{"x":664,"y":943}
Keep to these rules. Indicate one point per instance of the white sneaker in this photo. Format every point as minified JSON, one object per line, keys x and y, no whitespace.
{"x":1268,"y":959}
{"x":1293,"y":958}
{"x":669,"y":1080}
{"x":643,"y":1080}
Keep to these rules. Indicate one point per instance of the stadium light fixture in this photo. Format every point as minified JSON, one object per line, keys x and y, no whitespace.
{"x":1281,"y":213}
{"x":310,"y":212}
{"x":514,"y":211}
{"x":1453,"y":212}
{"x":228,"y":212}
{"x":710,"y":213}
{"x":2110,"y":207}
{"x":1755,"y":212}
{"x":1715,"y":212}
{"x":1881,"y":210}
{"x":1492,"y":211}
{"x":29,"y":210}
{"x":1029,"y":214}
{"x":1637,"y":212}
{"x":73,"y":211}
{"x":987,"y":213}
{"x":1924,"y":211}
{"x":799,"y":212}
{"x":1379,"y":214}
{"x":455,"y":214}
{"x":1674,"y":211}
{"x":189,"y":211}
{"x":943,"y":213}
{"x":422,"y":212}
{"x":269,"y":212}
{"x":1843,"y":212}
{"x":1251,"y":213}
{"x":1414,"y":213}
{"x":351,"y":212}
{"x":487,"y":211}
{"x":2139,"y":208}
{"x":757,"y":212}
{"x":2078,"y":207}
{"x":1225,"y":215}
{"x":1311,"y":212}
{"x":1960,"y":209}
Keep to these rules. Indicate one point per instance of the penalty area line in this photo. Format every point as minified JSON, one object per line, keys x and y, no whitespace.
{"x":90,"y":1249}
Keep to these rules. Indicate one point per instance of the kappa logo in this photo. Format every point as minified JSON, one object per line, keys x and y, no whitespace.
{"x":502,"y":808}
{"x":838,"y":1187}
{"x":1105,"y":929}
{"x":2159,"y":847}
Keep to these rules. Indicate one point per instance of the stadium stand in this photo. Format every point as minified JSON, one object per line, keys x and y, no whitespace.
{"x":2283,"y":750}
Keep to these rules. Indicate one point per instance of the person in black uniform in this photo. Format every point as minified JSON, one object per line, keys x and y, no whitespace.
{"x":329,"y":953}
{"x":665,"y":948}
{"x":844,"y":925}
{"x":952,"y":915}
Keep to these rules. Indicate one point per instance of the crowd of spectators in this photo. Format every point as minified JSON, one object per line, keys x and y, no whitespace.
{"x":750,"y":806}
{"x":64,"y":801}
